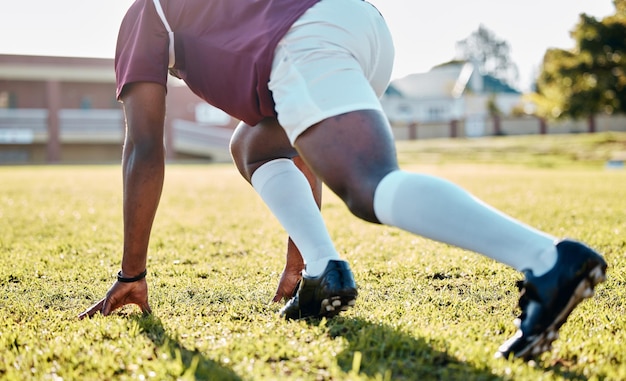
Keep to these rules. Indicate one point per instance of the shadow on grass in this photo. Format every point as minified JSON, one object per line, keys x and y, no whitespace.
{"x":378,"y":350}
{"x":192,"y":363}
{"x":385,"y":351}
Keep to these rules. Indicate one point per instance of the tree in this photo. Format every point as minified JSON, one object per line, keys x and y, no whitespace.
{"x":491,"y":54}
{"x":590,"y":78}
{"x":620,"y":7}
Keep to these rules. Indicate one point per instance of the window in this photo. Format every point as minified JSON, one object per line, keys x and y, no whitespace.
{"x":437,"y":113}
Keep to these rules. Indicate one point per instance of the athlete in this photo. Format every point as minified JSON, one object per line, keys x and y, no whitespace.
{"x":305,"y":77}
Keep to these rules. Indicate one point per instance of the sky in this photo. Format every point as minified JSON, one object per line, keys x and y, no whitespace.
{"x":425,"y":33}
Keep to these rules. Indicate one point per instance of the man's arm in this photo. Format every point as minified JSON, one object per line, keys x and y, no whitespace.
{"x":143,"y":167}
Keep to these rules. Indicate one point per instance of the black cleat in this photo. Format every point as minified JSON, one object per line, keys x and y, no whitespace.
{"x":325,"y":295}
{"x":546,"y":301}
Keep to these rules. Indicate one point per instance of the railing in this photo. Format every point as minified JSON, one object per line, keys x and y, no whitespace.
{"x":28,"y":126}
{"x":23,"y":129}
{"x":91,"y":126}
{"x":23,"y":126}
{"x":201,"y":139}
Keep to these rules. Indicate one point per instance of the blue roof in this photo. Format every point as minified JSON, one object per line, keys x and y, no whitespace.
{"x":494,"y":85}
{"x":450,"y":79}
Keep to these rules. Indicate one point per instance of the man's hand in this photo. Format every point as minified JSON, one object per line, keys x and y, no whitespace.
{"x":119,"y":295}
{"x":287,"y":284}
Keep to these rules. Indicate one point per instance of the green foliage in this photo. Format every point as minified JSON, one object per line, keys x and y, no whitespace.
{"x":620,"y":7}
{"x":589,"y":79}
{"x":426,"y":311}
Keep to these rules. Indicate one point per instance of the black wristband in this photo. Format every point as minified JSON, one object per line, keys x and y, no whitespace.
{"x":120,"y":278}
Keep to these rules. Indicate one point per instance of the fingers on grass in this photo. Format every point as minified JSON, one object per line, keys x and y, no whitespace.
{"x":91,"y":310}
{"x":278,"y":297}
{"x":146,"y":309}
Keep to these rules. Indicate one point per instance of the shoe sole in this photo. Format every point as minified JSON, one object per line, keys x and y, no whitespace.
{"x":584,"y":290}
{"x":332,"y":306}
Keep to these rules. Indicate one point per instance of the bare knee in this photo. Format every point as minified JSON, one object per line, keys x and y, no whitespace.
{"x":362,"y":208}
{"x":238,"y":152}
{"x":253,"y":146}
{"x":358,"y":195}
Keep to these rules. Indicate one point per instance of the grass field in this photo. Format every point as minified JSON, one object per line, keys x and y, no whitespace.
{"x":426,"y":311}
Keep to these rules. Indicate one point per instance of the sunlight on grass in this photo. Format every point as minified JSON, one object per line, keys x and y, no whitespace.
{"x":425,"y":310}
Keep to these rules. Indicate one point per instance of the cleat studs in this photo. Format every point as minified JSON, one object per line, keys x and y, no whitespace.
{"x":324,"y":295}
{"x":352,"y":302}
{"x":597,"y":275}
{"x":547,"y":348}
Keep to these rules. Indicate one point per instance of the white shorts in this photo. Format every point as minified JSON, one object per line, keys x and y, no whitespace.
{"x":335,"y":59}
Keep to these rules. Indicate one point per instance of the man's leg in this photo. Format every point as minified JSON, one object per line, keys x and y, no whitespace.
{"x":354,"y":155}
{"x":262,"y":155}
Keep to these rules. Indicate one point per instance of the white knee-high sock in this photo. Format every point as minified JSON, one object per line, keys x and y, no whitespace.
{"x":286,"y":191}
{"x":440,"y":210}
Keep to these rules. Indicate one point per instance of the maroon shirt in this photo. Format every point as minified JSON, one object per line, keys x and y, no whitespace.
{"x":224,"y":49}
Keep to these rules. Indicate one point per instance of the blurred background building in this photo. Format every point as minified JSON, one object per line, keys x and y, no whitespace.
{"x":63,"y":110}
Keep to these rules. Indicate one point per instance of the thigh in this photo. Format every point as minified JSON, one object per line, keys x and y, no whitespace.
{"x":253,"y":146}
{"x":351,"y":153}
